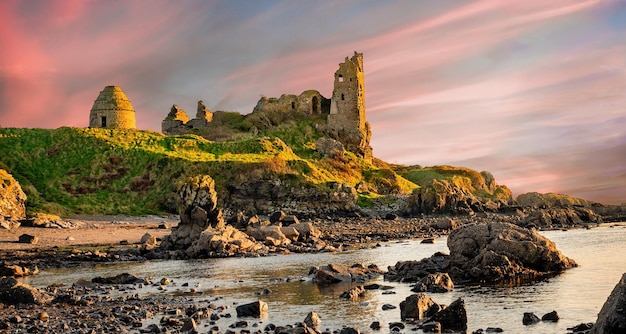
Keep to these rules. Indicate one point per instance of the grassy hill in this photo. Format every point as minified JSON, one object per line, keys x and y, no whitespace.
{"x":101,"y":171}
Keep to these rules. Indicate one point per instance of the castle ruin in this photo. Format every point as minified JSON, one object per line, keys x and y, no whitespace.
{"x":177,"y":122}
{"x":112,"y":110}
{"x":346,"y":121}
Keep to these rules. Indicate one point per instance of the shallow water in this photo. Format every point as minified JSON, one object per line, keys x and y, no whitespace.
{"x":577,"y":295}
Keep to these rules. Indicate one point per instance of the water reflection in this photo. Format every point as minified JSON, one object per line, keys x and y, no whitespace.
{"x":577,"y":294}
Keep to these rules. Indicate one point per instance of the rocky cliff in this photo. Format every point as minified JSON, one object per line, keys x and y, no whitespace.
{"x":12,"y":198}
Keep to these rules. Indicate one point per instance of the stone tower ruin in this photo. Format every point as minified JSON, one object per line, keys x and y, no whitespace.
{"x":112,"y":110}
{"x":346,"y":121}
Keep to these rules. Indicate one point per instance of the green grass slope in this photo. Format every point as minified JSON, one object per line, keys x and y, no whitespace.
{"x":68,"y":171}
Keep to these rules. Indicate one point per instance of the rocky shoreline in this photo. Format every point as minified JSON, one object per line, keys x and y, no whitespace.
{"x":485,"y":246}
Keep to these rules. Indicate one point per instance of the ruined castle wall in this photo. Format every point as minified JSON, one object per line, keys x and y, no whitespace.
{"x":310,"y":102}
{"x":347,"y":122}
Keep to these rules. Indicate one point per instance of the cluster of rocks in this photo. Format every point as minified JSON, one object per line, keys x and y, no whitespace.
{"x":434,"y":317}
{"x":202,"y":231}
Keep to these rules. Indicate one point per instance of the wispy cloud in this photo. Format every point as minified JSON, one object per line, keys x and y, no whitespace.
{"x":531,"y":91}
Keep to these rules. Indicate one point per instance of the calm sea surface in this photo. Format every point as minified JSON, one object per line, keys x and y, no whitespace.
{"x":577,"y":295}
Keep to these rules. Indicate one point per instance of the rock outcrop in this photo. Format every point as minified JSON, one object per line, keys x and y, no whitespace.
{"x":263,"y":196}
{"x":329,"y":148}
{"x":447,"y":197}
{"x":612,"y":316}
{"x":12,"y":198}
{"x":202,"y":231}
{"x":496,"y":251}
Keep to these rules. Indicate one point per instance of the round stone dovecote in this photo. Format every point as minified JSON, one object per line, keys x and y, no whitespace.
{"x":112,"y":110}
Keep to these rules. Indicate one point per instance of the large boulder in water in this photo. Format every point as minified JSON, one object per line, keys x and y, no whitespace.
{"x":496,"y":251}
{"x":418,"y":306}
{"x":612,"y":316}
{"x":453,"y":317}
{"x":12,"y":198}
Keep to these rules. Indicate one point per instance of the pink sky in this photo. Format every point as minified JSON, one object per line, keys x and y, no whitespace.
{"x":531,"y":91}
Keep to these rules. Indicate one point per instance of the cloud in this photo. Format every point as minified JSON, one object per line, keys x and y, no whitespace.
{"x":531,"y":91}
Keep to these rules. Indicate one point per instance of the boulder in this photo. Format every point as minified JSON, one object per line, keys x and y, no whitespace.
{"x":148,"y":239}
{"x":12,"y":198}
{"x":8,"y":224}
{"x":414,"y":271}
{"x":530,"y":318}
{"x":612,"y":316}
{"x":551,"y":316}
{"x":349,"y":330}
{"x":14,"y":292}
{"x":354,"y":293}
{"x":28,"y":239}
{"x":496,"y":251}
{"x":329,"y":148}
{"x":445,"y":224}
{"x":439,"y":282}
{"x":306,"y":230}
{"x":257,"y":309}
{"x":417,"y":306}
{"x":453,"y":317}
{"x":277,"y":216}
{"x":290,"y":233}
{"x":312,"y":320}
{"x":335,"y":273}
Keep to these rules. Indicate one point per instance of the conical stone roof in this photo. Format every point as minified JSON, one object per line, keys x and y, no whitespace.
{"x":112,"y":109}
